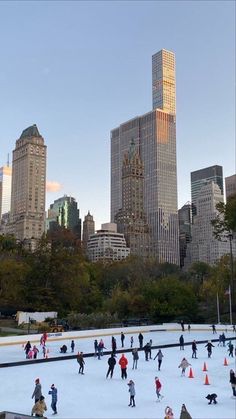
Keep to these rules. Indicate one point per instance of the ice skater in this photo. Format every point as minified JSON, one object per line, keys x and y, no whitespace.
{"x":111,"y":363}
{"x":169,"y":413}
{"x":132,"y":393}
{"x":232,"y":380}
{"x":159,"y":357}
{"x":209,"y":347}
{"x":53,"y":393}
{"x":123,"y":362}
{"x":39,"y":408}
{"x":80,"y":360}
{"x":37,"y":391}
{"x":140,"y":338}
{"x":158,"y":389}
{"x":72,"y":345}
{"x":184,"y":414}
{"x":181,"y":343}
{"x":131,"y":341}
{"x":122,"y":338}
{"x":135,"y":358}
{"x":184,"y":364}
{"x":194,"y":349}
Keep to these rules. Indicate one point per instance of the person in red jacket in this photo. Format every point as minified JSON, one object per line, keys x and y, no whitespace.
{"x":123,"y":365}
{"x":158,"y":389}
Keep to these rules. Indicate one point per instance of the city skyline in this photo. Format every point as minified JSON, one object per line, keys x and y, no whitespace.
{"x":51,"y":79}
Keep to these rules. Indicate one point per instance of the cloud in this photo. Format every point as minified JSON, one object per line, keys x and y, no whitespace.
{"x":52,"y":186}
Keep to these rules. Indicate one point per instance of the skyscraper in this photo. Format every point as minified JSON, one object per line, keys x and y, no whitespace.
{"x":204,"y":247}
{"x":64,"y":212}
{"x":154,"y":135}
{"x":185,"y":224}
{"x":230,"y":186}
{"x":5,"y":189}
{"x":28,"y":185}
{"x":131,"y":219}
{"x":203,"y":176}
{"x":88,"y":228}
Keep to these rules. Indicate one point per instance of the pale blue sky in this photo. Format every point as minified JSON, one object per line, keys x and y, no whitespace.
{"x":79,"y":69}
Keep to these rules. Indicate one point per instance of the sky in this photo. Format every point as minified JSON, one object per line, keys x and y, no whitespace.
{"x":79,"y":69}
{"x":91,"y":396}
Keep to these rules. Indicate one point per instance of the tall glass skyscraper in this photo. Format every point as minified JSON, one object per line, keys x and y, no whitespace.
{"x":154,"y":136}
{"x":200,"y":177}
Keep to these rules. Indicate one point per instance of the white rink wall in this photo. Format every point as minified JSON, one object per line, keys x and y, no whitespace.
{"x":83,"y":334}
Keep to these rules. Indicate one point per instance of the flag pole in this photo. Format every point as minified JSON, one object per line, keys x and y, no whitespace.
{"x":218,"y":307}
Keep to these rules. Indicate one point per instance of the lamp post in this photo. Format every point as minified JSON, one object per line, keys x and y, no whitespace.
{"x":231,"y":293}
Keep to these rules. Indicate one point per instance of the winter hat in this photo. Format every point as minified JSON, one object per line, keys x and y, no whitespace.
{"x":37,"y":380}
{"x":52,"y":386}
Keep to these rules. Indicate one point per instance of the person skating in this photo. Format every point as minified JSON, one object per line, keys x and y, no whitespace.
{"x":131,"y":341}
{"x":231,"y":349}
{"x":181,"y":343}
{"x":131,"y":393}
{"x":80,"y":360}
{"x":213,"y":329}
{"x":182,"y":325}
{"x":232,"y":380}
{"x":169,"y":413}
{"x":223,"y":338}
{"x":150,"y":349}
{"x":140,"y":338}
{"x":35,"y":352}
{"x":209,"y":347}
{"x":122,"y":338}
{"x":123,"y":362}
{"x":184,"y":414}
{"x":158,"y":389}
{"x":95,"y":347}
{"x":72,"y":345}
{"x":146,"y":349}
{"x":135,"y":358}
{"x":113,"y":345}
{"x":159,"y":357}
{"x":63,"y":349}
{"x":39,"y":408}
{"x":37,"y":391}
{"x":111,"y":362}
{"x":27,"y":349}
{"x":194,"y":349}
{"x":184,"y":364}
{"x":53,"y":393}
{"x":189,"y":328}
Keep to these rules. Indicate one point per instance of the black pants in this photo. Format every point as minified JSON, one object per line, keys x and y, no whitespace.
{"x":123,"y":373}
{"x":131,"y":401}
{"x":110,"y":371}
{"x":159,"y":364}
{"x":81,"y":369}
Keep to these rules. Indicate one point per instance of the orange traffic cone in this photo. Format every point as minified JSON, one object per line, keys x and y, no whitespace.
{"x":225,"y":362}
{"x":204,"y":367}
{"x":190,"y":373}
{"x":206,"y":380}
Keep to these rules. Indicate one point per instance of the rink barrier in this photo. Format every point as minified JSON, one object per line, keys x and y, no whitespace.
{"x":100,"y":333}
{"x":91,"y":354}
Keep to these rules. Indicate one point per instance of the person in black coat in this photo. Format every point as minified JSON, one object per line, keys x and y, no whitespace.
{"x":194,"y":349}
{"x":140,"y":338}
{"x":209,"y":347}
{"x":181,"y":343}
{"x":111,"y":362}
{"x":146,"y":349}
{"x":122,"y":338}
{"x":27,"y":348}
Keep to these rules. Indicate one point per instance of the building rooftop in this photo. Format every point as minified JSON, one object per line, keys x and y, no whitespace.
{"x":31,"y":131}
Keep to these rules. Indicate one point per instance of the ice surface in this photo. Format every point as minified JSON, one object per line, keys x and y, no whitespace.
{"x":93,"y":396}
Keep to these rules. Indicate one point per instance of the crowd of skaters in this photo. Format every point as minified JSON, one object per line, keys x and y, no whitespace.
{"x":40,"y":406}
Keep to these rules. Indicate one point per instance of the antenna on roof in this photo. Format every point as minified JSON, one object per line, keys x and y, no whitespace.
{"x":8,"y":163}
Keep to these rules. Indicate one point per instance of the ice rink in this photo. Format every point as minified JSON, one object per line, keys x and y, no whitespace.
{"x":93,"y":396}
